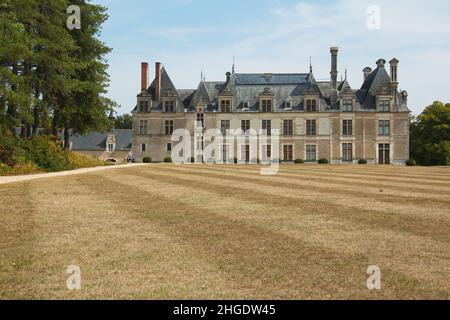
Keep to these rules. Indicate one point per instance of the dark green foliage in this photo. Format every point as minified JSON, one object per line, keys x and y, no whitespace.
{"x":299,"y":161}
{"x":50,"y":76}
{"x":323,"y":161}
{"x":123,"y":122}
{"x":411,"y":163}
{"x":168,"y":159}
{"x":362,"y":161}
{"x":430,"y":136}
{"x":147,"y":160}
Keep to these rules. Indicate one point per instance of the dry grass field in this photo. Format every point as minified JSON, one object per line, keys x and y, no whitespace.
{"x":202,"y":232}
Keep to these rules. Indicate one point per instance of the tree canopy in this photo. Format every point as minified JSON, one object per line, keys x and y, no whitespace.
{"x":124,"y":121}
{"x":430,"y":135}
{"x":51,"y":76}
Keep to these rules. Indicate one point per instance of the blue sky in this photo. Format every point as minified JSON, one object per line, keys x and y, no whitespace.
{"x":277,"y":36}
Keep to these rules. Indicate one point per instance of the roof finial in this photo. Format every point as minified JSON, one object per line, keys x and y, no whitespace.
{"x":233,"y":68}
{"x":310,"y":65}
{"x":345,"y":73}
{"x":202,"y":76}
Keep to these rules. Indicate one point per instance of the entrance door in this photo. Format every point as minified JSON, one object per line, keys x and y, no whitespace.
{"x":384,"y":153}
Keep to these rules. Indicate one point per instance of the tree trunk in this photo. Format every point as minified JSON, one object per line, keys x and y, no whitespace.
{"x":36,"y":111}
{"x":66,"y":138}
{"x":55,"y":124}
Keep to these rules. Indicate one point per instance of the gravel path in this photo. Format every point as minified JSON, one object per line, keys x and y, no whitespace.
{"x":11,"y":179}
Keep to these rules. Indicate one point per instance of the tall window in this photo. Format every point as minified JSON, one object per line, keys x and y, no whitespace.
{"x":347,"y":106}
{"x":245,"y":125}
{"x":245,"y":152}
{"x":168,"y":147}
{"x":225,"y":152}
{"x":347,"y":127}
{"x":347,"y":152}
{"x":201,"y":119}
{"x":143,"y":124}
{"x":311,"y":128}
{"x":311,"y":105}
{"x":168,"y":127}
{"x":224,"y":126}
{"x":288,"y":152}
{"x":225,"y":105}
{"x":143,"y":147}
{"x":384,"y":106}
{"x":287,"y":127}
{"x":110,"y":147}
{"x":267,"y":127}
{"x":266,"y":105}
{"x":169,"y":106}
{"x":384,"y":150}
{"x":266,"y":152}
{"x":384,"y":128}
{"x":311,"y":153}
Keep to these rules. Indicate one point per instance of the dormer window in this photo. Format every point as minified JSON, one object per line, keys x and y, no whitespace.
{"x":266,"y":105}
{"x":288,"y":105}
{"x":110,"y":147}
{"x":311,"y":105}
{"x":384,"y":105}
{"x":169,"y":106}
{"x":143,"y":106}
{"x":246,"y":105}
{"x":347,"y":106}
{"x":225,"y":105}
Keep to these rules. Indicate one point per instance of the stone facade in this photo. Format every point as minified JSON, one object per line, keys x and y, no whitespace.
{"x":316,"y":119}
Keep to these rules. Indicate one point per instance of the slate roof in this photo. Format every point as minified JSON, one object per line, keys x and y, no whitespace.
{"x":245,"y":88}
{"x":97,"y":140}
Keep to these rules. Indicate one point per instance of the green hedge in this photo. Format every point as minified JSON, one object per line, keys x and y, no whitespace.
{"x":147,"y":160}
{"x":168,"y":160}
{"x":362,"y":161}
{"x":299,"y":161}
{"x":323,"y":161}
{"x":411,"y":163}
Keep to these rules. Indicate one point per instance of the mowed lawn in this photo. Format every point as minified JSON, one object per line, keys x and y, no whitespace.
{"x":224,"y":232}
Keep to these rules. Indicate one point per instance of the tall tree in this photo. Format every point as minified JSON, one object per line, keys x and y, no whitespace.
{"x":430,"y":135}
{"x":85,"y":108}
{"x":47,"y":70}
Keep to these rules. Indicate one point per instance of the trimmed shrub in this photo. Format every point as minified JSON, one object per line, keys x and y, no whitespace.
{"x":192,"y":160}
{"x":147,"y":160}
{"x":299,"y":161}
{"x":362,"y":161}
{"x":323,"y":161}
{"x":168,"y":159}
{"x":411,"y":163}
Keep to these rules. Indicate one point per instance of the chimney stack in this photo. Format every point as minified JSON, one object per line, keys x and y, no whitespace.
{"x":334,"y":72}
{"x":394,"y":63}
{"x":158,"y":81}
{"x":144,"y":76}
{"x":367,"y":71}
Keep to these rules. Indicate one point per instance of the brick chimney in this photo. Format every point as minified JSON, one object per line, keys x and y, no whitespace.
{"x":334,"y":72}
{"x":144,"y":76}
{"x":367,"y":71}
{"x":158,"y":81}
